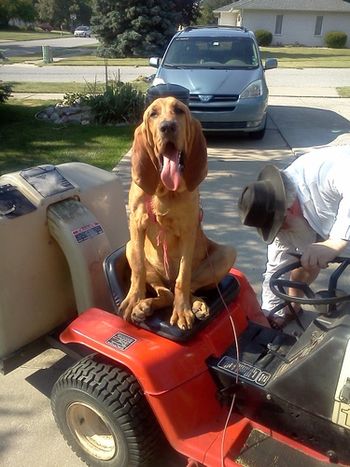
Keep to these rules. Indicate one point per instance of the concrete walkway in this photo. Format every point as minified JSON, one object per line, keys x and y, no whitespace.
{"x":28,"y":435}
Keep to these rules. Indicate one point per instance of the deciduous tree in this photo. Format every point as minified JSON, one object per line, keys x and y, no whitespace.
{"x":19,"y":9}
{"x":206,"y":15}
{"x":189,"y":11}
{"x":69,"y":13}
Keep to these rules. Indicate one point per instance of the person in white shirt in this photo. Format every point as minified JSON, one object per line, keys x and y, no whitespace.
{"x":303,"y":209}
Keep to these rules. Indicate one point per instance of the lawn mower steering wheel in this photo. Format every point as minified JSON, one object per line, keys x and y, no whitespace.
{"x":278,"y":286}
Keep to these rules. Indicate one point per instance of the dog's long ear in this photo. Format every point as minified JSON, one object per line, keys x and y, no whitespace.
{"x":144,"y":170}
{"x":196,"y":168}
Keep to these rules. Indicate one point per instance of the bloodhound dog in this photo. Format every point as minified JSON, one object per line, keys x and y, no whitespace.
{"x":168,"y":250}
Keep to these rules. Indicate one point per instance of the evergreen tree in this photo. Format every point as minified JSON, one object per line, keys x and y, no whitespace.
{"x":128,"y":28}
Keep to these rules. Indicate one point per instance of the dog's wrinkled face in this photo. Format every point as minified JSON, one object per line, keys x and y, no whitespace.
{"x":167,"y":121}
{"x":169,"y":148}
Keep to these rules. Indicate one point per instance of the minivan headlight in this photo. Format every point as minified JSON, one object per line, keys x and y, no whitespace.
{"x":157,"y":81}
{"x":254,"y":89}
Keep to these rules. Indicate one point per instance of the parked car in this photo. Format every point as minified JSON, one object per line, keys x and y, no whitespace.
{"x":222,"y":69}
{"x":83,"y":31}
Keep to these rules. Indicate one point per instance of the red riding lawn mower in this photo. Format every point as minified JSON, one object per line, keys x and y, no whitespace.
{"x":230,"y":391}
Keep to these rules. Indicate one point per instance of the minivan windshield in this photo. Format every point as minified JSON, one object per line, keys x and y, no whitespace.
{"x":209,"y":52}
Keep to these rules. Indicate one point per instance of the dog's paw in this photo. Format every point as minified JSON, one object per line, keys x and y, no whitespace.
{"x":183,"y":319}
{"x":200,"y":309}
{"x":128,"y":305}
{"x":141,"y":311}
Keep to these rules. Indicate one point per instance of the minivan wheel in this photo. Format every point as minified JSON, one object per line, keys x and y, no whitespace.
{"x":104,"y":416}
{"x":258,"y":134}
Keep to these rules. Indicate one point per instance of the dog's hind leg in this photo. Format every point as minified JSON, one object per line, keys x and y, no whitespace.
{"x":212,"y":269}
{"x":216,"y":264}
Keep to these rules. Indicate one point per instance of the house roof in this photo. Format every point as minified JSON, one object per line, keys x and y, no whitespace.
{"x":294,"y":5}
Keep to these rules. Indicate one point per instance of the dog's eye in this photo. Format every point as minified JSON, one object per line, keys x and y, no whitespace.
{"x":178,"y":110}
{"x":153,"y":113}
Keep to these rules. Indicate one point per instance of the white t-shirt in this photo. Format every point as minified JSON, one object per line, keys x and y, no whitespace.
{"x":322,"y":181}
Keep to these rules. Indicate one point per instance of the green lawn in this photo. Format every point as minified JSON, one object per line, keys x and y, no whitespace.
{"x":26,"y":141}
{"x":50,"y":87}
{"x":308,"y":57}
{"x":14,"y":35}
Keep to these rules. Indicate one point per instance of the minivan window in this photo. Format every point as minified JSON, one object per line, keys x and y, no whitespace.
{"x":207,"y":52}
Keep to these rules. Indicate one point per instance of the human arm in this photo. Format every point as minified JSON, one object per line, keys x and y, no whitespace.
{"x":318,"y":255}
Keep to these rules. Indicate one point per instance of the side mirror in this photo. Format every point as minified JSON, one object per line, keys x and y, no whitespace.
{"x":270,"y":63}
{"x":154,"y":61}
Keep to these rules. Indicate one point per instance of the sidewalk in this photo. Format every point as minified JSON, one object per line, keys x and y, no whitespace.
{"x":28,"y":434}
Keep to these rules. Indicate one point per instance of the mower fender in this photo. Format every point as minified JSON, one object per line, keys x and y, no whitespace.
{"x":158,"y":363}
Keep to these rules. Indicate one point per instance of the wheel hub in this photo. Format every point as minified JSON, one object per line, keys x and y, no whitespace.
{"x":92,"y":430}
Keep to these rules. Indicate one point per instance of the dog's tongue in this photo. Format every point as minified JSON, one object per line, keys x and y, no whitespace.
{"x":170,"y":174}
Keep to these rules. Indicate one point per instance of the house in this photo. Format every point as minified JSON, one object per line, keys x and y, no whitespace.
{"x":292,"y":22}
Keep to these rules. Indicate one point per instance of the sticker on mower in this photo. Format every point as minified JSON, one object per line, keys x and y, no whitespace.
{"x":121,"y":341}
{"x":87,"y":231}
{"x":246,"y":371}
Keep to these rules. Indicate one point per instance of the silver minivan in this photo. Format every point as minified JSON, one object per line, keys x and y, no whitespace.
{"x":223,"y":71}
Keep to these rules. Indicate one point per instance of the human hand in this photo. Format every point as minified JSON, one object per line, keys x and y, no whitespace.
{"x":318,"y":255}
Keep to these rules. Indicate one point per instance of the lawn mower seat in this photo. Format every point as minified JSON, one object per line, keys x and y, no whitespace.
{"x":117,"y":271}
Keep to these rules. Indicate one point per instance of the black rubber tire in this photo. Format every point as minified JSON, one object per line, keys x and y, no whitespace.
{"x":259,"y":134}
{"x":111,"y":395}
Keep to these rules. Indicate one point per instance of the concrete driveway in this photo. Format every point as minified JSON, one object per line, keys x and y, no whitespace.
{"x":28,"y":435}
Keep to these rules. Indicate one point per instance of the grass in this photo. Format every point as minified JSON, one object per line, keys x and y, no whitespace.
{"x":308,"y":57}
{"x":92,"y":60}
{"x":51,"y":87}
{"x":47,"y":87}
{"x":26,"y":141}
{"x":344,"y":92}
{"x":16,"y":35}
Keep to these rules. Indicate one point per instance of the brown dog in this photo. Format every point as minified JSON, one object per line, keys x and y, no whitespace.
{"x":168,"y":249}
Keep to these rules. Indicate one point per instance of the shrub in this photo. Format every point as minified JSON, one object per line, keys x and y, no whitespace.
{"x":120,"y":103}
{"x":5,"y":91}
{"x":335,"y":39}
{"x":263,"y":37}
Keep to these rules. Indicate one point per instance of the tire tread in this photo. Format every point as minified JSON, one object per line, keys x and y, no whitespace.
{"x":120,"y":393}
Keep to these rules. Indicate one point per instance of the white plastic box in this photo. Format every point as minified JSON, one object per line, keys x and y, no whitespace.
{"x":57,"y":224}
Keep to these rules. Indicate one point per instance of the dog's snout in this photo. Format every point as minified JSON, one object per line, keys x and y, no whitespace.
{"x":168,"y":126}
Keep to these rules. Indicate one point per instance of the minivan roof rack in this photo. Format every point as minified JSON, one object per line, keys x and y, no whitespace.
{"x":212,"y":26}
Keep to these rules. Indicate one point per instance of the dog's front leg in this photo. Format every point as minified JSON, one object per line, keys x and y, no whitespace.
{"x":135,"y":254}
{"x":182,"y":311}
